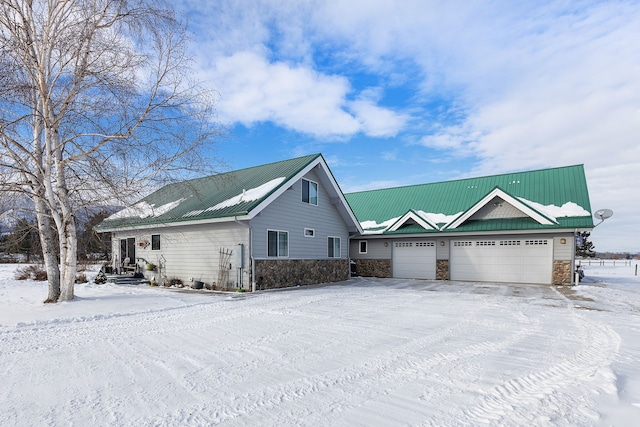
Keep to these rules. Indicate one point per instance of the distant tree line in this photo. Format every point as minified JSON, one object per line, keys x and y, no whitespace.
{"x":23,"y":239}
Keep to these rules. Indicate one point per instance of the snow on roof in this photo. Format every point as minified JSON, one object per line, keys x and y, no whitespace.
{"x":143,"y":209}
{"x":569,"y":209}
{"x":372,"y":227}
{"x":249,"y":195}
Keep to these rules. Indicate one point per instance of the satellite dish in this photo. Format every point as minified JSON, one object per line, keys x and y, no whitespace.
{"x":603,"y":214}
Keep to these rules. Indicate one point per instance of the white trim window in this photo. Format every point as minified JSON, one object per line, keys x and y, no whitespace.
{"x":333,"y":247}
{"x":277,"y":243}
{"x":309,"y":232}
{"x":362,"y":246}
{"x":309,"y":192}
{"x":155,"y":242}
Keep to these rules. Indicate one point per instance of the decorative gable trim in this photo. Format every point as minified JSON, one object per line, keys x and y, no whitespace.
{"x":518,"y":204}
{"x":412,"y":215}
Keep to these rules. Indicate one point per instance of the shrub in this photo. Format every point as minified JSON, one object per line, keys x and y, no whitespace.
{"x":34,"y":272}
{"x":81,"y":278}
{"x":101,"y":278}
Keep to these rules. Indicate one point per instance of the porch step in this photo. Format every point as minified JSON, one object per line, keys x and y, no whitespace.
{"x":126,"y":279}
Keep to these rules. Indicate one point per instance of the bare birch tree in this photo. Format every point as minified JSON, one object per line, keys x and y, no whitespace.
{"x":96,"y":104}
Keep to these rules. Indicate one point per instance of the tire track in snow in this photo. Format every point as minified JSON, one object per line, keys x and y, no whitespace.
{"x":357,"y":383}
{"x":75,"y":332}
{"x":531,"y":396}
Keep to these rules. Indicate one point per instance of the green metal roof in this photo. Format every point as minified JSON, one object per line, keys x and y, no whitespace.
{"x":546,"y":187}
{"x":218,"y":196}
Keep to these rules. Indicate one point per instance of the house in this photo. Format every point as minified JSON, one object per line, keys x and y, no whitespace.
{"x":275,"y":225}
{"x":516,"y":228}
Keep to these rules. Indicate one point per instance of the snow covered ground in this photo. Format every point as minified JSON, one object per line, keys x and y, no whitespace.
{"x":367,"y":352}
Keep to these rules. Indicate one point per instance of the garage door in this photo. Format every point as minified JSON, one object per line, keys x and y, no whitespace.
{"x":514,"y":261}
{"x":414,"y":260}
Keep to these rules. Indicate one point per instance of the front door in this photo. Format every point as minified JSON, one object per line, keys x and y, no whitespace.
{"x":128,"y":249}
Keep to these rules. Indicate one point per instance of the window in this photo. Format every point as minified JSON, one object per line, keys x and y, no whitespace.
{"x":333,"y":247}
{"x":277,"y":243}
{"x":155,"y":242}
{"x":310,"y":192}
{"x":363,"y":247}
{"x":309,"y":232}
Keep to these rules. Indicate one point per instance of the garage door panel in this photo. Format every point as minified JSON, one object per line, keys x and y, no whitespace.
{"x":516,"y":260}
{"x":414,"y":260}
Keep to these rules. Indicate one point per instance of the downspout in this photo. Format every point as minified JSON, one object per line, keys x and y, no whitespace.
{"x":574,"y":274}
{"x":251,"y":263}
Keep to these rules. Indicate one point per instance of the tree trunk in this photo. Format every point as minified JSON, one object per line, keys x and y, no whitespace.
{"x":48,"y":242}
{"x":69,"y":263}
{"x":43,"y":212}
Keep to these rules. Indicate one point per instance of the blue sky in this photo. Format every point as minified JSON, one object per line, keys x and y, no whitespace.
{"x":414,"y":91}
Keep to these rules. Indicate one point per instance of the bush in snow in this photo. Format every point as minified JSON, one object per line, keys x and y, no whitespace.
{"x":101,"y":278}
{"x":34,"y":272}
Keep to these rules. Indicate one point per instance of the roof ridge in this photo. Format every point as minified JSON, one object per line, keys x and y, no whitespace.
{"x":221,"y":174}
{"x":467,"y":179}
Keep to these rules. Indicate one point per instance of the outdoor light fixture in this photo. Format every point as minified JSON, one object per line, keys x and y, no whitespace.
{"x":441,"y":242}
{"x":563,"y":241}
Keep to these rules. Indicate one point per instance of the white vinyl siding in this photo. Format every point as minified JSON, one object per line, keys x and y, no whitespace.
{"x":193,"y":251}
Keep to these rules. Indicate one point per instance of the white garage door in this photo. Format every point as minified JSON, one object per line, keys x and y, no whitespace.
{"x":514,"y":261}
{"x":414,"y":260}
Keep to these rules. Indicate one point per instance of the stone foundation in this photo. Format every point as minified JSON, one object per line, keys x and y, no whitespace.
{"x":442,"y":269}
{"x":283,"y":273}
{"x":562,"y":273}
{"x":373,"y":267}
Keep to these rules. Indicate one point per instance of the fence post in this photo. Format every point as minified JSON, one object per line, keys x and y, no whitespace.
{"x":636,"y":269}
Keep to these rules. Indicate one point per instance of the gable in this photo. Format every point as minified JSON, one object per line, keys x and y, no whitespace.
{"x":495,"y":201}
{"x":414,"y":221}
{"x":497,"y":208}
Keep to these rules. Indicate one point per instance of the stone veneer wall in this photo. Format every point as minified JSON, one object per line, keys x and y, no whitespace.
{"x":283,"y":273}
{"x":373,"y":267}
{"x":442,"y":269}
{"x":562,"y":273}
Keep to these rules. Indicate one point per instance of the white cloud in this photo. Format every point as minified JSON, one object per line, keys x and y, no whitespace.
{"x":295,"y":97}
{"x":377,"y":121}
